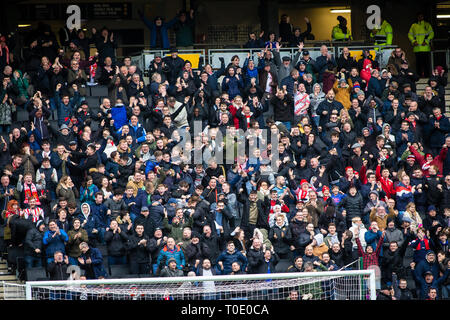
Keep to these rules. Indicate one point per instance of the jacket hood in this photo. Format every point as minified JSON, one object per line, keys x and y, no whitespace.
{"x":317,"y":85}
{"x":366,"y":63}
{"x":385,"y":125}
{"x":85,"y":204}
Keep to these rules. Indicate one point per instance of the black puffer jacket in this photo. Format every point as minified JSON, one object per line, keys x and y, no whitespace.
{"x":198,"y":251}
{"x":215,"y":245}
{"x":280,"y":238}
{"x":139,"y":253}
{"x":33,"y":241}
{"x":255,"y":259}
{"x":352,"y":205}
{"x":283,"y":109}
{"x":116,"y":243}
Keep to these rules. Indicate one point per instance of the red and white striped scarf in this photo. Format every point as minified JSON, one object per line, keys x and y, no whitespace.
{"x":301,"y":103}
{"x":36,"y":214}
{"x":30,"y":192}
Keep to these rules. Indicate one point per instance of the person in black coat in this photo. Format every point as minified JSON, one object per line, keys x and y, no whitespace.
{"x":247,"y":221}
{"x":214,"y":242}
{"x":195,"y":251}
{"x":299,"y":36}
{"x":139,"y":248}
{"x":281,"y":238}
{"x":174,"y":64}
{"x":116,"y":241}
{"x":255,"y":256}
{"x":146,"y":221}
{"x":58,"y":268}
{"x":392,"y":261}
{"x":331,"y":215}
{"x":33,"y":246}
{"x":201,"y":216}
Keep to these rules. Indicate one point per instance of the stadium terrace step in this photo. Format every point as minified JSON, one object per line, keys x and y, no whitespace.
{"x":6,"y":277}
{"x":422,"y":80}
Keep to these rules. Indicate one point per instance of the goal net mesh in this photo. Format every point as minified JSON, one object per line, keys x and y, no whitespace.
{"x":315,"y":286}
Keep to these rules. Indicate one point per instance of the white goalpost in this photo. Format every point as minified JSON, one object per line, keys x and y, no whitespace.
{"x":328,"y":285}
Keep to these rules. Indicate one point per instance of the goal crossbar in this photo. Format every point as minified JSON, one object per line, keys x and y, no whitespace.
{"x":307,"y":277}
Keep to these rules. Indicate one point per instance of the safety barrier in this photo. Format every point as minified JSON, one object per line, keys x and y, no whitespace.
{"x":144,"y":59}
{"x":356,"y":51}
{"x":382,"y":56}
{"x":227,"y":54}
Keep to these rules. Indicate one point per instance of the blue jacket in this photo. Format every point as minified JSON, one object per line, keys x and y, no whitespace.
{"x":56,"y":243}
{"x":424,"y":266}
{"x":233,"y":86}
{"x":374,"y":88}
{"x":213,"y":79}
{"x":250,"y":73}
{"x":150,"y":166}
{"x":156,"y":213}
{"x":119,"y":115}
{"x":97,"y":262}
{"x":437,"y":135}
{"x":403,"y":198}
{"x":423,"y":286}
{"x":401,"y":143}
{"x":164,"y":31}
{"x":289,"y":83}
{"x":372,"y":239}
{"x":321,"y":65}
{"x":56,"y":163}
{"x":99,"y":210}
{"x":65,"y":111}
{"x":138,"y":132}
{"x":228,"y":260}
{"x":177,"y":254}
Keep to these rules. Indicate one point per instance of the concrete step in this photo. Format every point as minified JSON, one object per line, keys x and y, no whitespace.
{"x":422,"y":80}
{"x":6,"y":277}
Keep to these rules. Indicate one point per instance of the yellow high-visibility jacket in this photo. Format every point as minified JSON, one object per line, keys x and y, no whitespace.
{"x":338,"y":34}
{"x":384,"y":30}
{"x":421,"y":32}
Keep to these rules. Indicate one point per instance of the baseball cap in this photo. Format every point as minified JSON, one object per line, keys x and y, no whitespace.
{"x":144,"y":209}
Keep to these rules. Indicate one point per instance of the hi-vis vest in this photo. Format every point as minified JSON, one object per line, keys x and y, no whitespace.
{"x":384,"y":35}
{"x":421,"y":32}
{"x":338,"y":34}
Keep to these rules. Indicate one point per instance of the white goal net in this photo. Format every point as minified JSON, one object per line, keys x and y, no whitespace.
{"x":337,"y":285}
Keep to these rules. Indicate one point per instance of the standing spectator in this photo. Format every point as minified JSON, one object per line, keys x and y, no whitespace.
{"x":55,"y":240}
{"x":116,"y":240}
{"x":91,"y":261}
{"x":159,"y":37}
{"x":33,"y":247}
{"x":175,"y":64}
{"x":228,"y":257}
{"x":77,"y":235}
{"x":139,"y":249}
{"x":184,"y":30}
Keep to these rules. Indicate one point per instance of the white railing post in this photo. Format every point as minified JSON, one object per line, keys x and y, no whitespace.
{"x":28,"y":292}
{"x":372,"y":285}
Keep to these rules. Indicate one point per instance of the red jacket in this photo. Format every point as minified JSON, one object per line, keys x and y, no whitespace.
{"x":438,"y":161}
{"x":386,"y":184}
